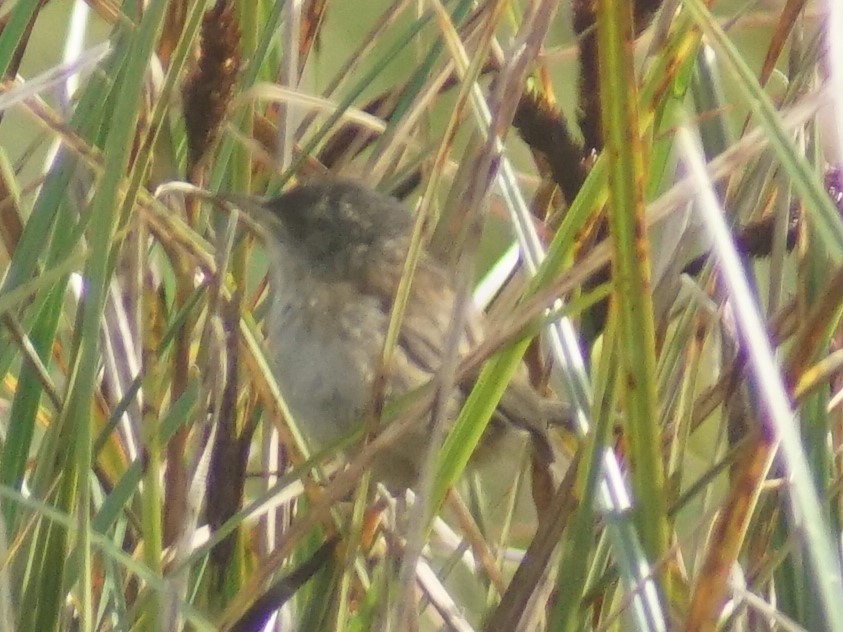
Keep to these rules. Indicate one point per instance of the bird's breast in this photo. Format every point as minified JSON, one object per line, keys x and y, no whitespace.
{"x":326,"y":344}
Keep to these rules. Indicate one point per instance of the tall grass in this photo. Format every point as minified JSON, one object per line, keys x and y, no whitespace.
{"x":660,"y":240}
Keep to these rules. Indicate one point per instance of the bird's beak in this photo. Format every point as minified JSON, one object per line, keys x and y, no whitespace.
{"x":249,"y":209}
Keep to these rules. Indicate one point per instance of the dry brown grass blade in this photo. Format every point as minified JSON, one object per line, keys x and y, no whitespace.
{"x":712,"y":585}
{"x":482,"y":552}
{"x":514,"y":603}
{"x":313,"y":14}
{"x":11,"y":225}
{"x":108,"y":10}
{"x":815,"y":328}
{"x":173,"y":26}
{"x":387,"y":19}
{"x":787,"y":20}
{"x":348,"y":142}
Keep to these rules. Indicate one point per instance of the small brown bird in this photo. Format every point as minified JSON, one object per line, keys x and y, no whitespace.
{"x":336,"y":253}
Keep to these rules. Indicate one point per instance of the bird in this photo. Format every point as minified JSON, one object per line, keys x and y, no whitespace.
{"x":336,"y":251}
